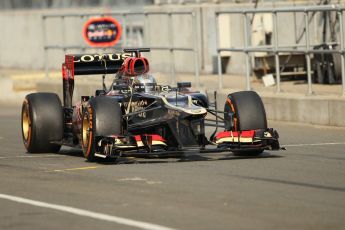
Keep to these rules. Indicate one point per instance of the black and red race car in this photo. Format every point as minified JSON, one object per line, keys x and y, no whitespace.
{"x":136,"y":116}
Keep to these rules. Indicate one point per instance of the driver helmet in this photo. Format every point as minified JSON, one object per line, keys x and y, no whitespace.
{"x":144,"y":83}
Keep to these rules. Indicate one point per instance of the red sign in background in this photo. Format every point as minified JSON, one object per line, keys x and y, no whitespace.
{"x":102,"y":32}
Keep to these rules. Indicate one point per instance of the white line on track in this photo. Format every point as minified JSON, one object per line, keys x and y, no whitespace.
{"x":140,"y":179}
{"x":31,"y":156}
{"x":86,"y":213}
{"x":314,"y":144}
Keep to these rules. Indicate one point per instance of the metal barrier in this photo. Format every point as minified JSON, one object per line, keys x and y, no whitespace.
{"x":123,"y":41}
{"x":276,"y":48}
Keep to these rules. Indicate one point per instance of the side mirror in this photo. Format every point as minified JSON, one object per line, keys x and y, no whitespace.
{"x":182,"y":85}
{"x":100,"y":92}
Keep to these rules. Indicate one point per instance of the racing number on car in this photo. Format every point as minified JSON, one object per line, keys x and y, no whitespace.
{"x":166,"y":88}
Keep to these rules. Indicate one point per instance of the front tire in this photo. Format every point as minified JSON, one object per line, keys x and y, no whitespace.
{"x":245,"y":110}
{"x":42,"y":122}
{"x":102,"y":117}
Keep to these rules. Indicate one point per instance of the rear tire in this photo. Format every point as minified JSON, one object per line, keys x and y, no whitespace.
{"x":42,"y":122}
{"x":248,"y":113}
{"x":103,"y":117}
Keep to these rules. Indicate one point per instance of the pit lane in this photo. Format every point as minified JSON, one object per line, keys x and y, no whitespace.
{"x":300,"y":188}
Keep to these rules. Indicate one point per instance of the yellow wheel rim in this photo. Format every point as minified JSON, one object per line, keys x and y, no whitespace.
{"x":26,"y":122}
{"x":86,"y":132}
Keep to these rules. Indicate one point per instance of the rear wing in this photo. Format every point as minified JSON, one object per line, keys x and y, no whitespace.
{"x":88,"y":64}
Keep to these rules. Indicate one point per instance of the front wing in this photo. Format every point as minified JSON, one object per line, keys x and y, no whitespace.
{"x":154,"y":144}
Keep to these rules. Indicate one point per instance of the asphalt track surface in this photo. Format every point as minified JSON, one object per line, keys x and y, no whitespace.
{"x":300,"y":188}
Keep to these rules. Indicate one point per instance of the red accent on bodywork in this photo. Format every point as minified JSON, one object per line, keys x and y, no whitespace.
{"x":134,"y":66}
{"x":69,"y":70}
{"x":249,"y":133}
{"x":64,"y":71}
{"x":155,"y":137}
{"x":68,"y":80}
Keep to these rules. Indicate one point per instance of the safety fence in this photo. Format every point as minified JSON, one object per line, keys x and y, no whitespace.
{"x":307,"y":49}
{"x":127,"y":29}
{"x":276,"y":49}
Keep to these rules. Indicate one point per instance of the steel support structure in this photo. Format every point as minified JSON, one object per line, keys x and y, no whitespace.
{"x":306,"y":49}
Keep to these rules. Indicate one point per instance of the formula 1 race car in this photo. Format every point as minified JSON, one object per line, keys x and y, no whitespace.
{"x":136,"y":116}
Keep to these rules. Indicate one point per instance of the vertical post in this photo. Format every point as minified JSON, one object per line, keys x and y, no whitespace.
{"x":307,"y":51}
{"x":124,"y":30}
{"x":130,"y":34}
{"x":196,"y":49}
{"x":45,"y":51}
{"x":316,"y":26}
{"x":171,"y":49}
{"x":146,"y":30}
{"x":63,"y":31}
{"x":276,"y":54}
{"x":342,"y":46}
{"x":82,"y":22}
{"x":294,"y":23}
{"x":246,"y":45}
{"x":219,"y":63}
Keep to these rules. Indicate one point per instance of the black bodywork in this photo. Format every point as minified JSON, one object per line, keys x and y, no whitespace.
{"x":175,"y":114}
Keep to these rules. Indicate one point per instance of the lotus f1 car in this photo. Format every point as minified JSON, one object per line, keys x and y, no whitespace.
{"x":136,"y":116}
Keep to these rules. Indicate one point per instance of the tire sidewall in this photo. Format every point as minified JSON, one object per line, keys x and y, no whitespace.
{"x":248,"y":109}
{"x":45,"y":122}
{"x":105,"y":111}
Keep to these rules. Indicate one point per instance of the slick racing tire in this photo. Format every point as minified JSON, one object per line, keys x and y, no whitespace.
{"x":42,"y":122}
{"x":102,"y":117}
{"x":245,"y":110}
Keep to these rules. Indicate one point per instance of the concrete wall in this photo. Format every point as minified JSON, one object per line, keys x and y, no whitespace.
{"x":180,"y":35}
{"x":316,"y":110}
{"x":21,"y":40}
{"x":23,"y":37}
